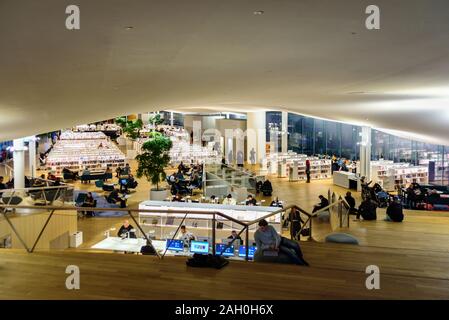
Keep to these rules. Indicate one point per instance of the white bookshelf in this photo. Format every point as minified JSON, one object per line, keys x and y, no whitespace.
{"x":78,"y":150}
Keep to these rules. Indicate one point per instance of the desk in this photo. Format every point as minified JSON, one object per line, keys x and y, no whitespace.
{"x":345,"y":179}
{"x":134,"y":245}
{"x":119,"y":244}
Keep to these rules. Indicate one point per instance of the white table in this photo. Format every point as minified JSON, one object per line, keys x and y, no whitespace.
{"x":134,"y":245}
{"x":119,"y":244}
{"x":342,"y":178}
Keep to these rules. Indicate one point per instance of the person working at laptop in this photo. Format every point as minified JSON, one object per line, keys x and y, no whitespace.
{"x":235,"y":236}
{"x":126,"y":230}
{"x":267,"y":239}
{"x":186,"y":236}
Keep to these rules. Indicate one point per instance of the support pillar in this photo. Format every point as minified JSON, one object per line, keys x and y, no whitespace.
{"x":365,"y":155}
{"x":256,"y":136}
{"x":284,"y":136}
{"x":19,"y":163}
{"x":32,"y":155}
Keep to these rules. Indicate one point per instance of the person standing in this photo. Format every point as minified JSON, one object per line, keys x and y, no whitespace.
{"x":308,"y":170}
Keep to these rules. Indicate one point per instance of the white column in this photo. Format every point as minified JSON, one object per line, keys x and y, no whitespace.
{"x":365,"y":154}
{"x":19,"y":163}
{"x":256,"y":125}
{"x":171,"y":119}
{"x":284,"y":145}
{"x":197,"y":133}
{"x":229,"y":146}
{"x":32,"y":155}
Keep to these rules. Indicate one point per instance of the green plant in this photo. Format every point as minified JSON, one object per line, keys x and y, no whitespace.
{"x":121,"y":121}
{"x":156,"y":120}
{"x":154,"y":159}
{"x":130,"y":128}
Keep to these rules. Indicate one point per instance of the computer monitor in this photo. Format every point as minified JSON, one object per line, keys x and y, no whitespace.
{"x":123,"y":181}
{"x":235,"y":243}
{"x":251,"y":251}
{"x":201,"y":247}
{"x":219,"y":247}
{"x":174,"y":245}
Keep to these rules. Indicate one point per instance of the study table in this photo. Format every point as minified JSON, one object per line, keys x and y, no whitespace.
{"x":135,"y":244}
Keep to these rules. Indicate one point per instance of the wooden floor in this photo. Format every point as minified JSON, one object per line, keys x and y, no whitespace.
{"x":336,"y":272}
{"x":413,"y":258}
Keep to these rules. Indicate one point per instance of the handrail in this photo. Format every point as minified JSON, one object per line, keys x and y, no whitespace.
{"x":245,"y":225}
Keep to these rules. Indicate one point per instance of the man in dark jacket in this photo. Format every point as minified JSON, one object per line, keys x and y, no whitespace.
{"x":351,"y":201}
{"x":323,"y":204}
{"x":394,"y":211}
{"x":367,"y":210}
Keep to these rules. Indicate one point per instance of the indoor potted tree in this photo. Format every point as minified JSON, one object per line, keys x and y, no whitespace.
{"x":152,"y":163}
{"x":131,"y":129}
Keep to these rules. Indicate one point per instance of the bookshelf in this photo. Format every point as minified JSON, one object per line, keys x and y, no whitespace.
{"x":78,"y":150}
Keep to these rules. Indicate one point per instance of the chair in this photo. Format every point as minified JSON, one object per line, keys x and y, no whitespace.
{"x":80,"y":198}
{"x":99,"y":183}
{"x":108,"y":187}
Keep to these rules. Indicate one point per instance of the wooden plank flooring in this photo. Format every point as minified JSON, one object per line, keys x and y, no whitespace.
{"x":336,"y":272}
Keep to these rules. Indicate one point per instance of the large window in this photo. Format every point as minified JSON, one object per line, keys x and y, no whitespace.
{"x":315,"y":136}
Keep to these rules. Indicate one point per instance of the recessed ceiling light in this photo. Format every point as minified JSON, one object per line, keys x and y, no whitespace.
{"x":258,"y":12}
{"x":129,"y":28}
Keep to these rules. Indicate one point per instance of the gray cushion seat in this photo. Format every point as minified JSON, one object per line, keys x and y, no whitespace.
{"x":323,"y":216}
{"x":342,"y":238}
{"x":280,"y":258}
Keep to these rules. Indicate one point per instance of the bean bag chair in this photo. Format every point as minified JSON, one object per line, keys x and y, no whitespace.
{"x":324,"y":216}
{"x":341,"y":238}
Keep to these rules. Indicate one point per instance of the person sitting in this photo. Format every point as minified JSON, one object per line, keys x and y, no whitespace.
{"x":367,"y":210}
{"x":182,"y":168}
{"x":69,"y":174}
{"x":126,"y":231}
{"x":126,"y":170}
{"x":89,"y":202}
{"x":85,"y":173}
{"x":57,"y":182}
{"x":223,"y":163}
{"x":394,"y":211}
{"x":186,"y":236}
{"x":323,"y":204}
{"x":179,"y":176}
{"x":178,"y":198}
{"x":267,"y":188}
{"x":276,"y":203}
{"x":259,"y":185}
{"x":267,"y":239}
{"x":250,"y":201}
{"x":2,"y":184}
{"x":213,"y":199}
{"x":114,"y":197}
{"x":229,"y":200}
{"x":51,"y":176}
{"x":234,"y":236}
{"x":433,"y":196}
{"x":118,"y":172}
{"x":195,"y":180}
{"x":128,"y":183}
{"x":351,"y":202}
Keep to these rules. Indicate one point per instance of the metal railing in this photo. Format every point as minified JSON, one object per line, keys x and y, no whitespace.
{"x":245,"y":225}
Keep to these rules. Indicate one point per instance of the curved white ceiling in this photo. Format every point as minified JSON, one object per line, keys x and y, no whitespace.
{"x":313,"y":57}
